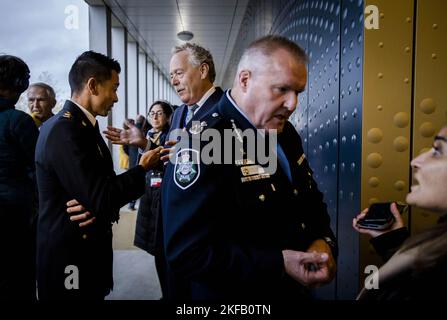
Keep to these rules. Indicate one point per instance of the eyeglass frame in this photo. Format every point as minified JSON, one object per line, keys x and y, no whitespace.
{"x":158,"y":113}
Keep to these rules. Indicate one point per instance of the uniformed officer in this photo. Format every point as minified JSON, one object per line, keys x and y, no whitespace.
{"x":192,"y":75}
{"x":73,"y":162}
{"x":239,"y":230}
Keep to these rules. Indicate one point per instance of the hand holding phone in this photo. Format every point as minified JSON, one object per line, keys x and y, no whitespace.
{"x":380,"y":218}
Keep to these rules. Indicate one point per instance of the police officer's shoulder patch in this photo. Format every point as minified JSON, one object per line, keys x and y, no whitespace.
{"x":187,"y":169}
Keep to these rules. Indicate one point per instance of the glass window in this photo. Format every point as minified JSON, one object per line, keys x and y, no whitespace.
{"x":48,"y":35}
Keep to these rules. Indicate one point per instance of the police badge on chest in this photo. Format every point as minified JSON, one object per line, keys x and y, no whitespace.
{"x":187,"y":169}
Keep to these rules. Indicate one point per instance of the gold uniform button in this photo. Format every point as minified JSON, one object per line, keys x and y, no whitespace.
{"x":262,"y":197}
{"x":295,"y":192}
{"x":84,"y":236}
{"x":303,"y":226}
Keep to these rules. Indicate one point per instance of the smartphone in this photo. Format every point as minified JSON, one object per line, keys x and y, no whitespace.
{"x":380,"y":217}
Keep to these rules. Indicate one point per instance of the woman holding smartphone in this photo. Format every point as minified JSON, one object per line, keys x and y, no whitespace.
{"x":417,"y":265}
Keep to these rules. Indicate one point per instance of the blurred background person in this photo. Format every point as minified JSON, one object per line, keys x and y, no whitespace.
{"x":132,"y":155}
{"x":417,"y":266}
{"x":41,"y":101}
{"x":18,"y":136}
{"x":149,"y":232}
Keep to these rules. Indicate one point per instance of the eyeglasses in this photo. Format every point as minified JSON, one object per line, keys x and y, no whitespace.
{"x":158,"y":114}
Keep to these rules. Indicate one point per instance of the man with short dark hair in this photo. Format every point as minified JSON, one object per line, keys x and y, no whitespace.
{"x":237,"y":228}
{"x":74,"y":261}
{"x":41,"y":101}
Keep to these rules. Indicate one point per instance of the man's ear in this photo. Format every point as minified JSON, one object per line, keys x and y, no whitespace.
{"x":204,"y":69}
{"x":244,"y":79}
{"x":92,"y":86}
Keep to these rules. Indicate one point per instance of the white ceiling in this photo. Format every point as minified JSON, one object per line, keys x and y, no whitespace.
{"x":155,"y":24}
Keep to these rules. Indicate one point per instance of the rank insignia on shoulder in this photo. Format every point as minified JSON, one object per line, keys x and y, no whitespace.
{"x":301,"y":159}
{"x":187,"y":169}
{"x":67,"y":115}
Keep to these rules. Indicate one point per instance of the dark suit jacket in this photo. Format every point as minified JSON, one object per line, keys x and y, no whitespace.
{"x":179,"y":115}
{"x":73,"y":162}
{"x":178,"y":289}
{"x":225,"y":234}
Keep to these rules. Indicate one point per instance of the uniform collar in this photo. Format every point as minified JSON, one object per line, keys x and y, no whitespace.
{"x":89,"y":116}
{"x":205,"y":97}
{"x":228,"y":94}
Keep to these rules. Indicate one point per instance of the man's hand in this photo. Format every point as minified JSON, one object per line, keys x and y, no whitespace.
{"x":132,"y":136}
{"x":321,"y":246}
{"x":301,"y":267}
{"x":75,"y":207}
{"x":150,"y":159}
{"x":168,"y":153}
{"x":398,"y":222}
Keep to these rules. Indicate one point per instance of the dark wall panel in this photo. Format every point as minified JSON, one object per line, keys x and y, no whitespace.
{"x":328,"y":116}
{"x":349,"y":186}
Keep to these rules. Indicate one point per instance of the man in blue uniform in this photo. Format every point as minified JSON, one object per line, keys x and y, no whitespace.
{"x":192,"y":75}
{"x":240,"y":229}
{"x":73,"y":162}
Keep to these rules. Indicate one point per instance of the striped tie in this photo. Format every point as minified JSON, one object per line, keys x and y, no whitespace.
{"x":190,"y":113}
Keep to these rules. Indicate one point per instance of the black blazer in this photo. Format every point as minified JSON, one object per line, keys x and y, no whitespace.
{"x":225,"y":229}
{"x":73,"y":162}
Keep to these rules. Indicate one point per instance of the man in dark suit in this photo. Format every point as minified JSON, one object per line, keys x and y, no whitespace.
{"x":73,"y":162}
{"x":192,"y":75}
{"x":247,"y":228}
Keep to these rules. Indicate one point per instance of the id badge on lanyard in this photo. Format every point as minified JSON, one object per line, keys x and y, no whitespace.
{"x":156,"y":179}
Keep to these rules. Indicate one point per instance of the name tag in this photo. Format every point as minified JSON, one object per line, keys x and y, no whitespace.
{"x":156,"y":182}
{"x":251,"y":170}
{"x":244,"y":162}
{"x":255,"y":178}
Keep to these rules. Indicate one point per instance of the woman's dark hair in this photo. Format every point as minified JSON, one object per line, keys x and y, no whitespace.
{"x":91,"y":64}
{"x":14,"y":74}
{"x":433,"y":244}
{"x":166,"y":106}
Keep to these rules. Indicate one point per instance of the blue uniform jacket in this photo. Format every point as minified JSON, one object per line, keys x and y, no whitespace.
{"x":226,"y":226}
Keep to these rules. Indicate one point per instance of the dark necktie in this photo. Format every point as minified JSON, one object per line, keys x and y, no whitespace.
{"x":284,"y":162}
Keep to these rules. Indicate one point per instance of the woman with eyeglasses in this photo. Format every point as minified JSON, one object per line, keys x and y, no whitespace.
{"x":417,"y":269}
{"x":148,"y":232}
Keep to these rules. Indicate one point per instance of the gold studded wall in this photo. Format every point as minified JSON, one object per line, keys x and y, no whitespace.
{"x":387,"y":100}
{"x":404,"y":101}
{"x":430,"y":97}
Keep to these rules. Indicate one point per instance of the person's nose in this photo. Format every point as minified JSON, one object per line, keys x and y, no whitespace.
{"x":417,"y":162}
{"x":33,"y":103}
{"x":174,"y":80}
{"x":291,"y":101}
